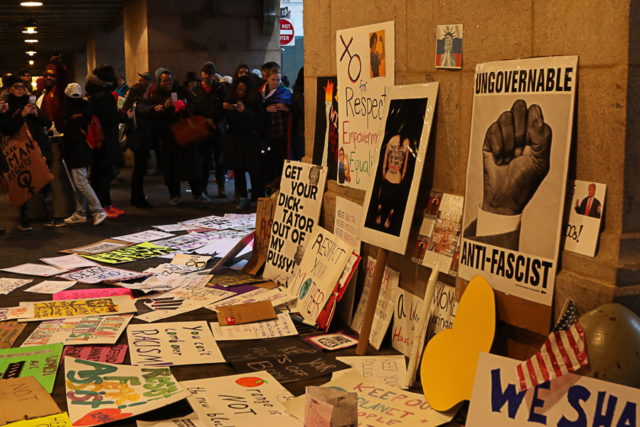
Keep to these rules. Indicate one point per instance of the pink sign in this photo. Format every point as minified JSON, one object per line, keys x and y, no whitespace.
{"x":97,"y":353}
{"x":91,"y":293}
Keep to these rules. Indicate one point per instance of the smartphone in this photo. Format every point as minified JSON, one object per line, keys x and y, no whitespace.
{"x":32,"y":99}
{"x":174,"y":96}
{"x":6,"y":96}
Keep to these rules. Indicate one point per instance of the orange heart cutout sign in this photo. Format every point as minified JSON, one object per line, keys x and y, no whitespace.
{"x":450,"y":359}
{"x":102,"y":416}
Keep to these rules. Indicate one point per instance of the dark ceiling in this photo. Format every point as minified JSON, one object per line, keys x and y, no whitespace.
{"x":62,"y":25}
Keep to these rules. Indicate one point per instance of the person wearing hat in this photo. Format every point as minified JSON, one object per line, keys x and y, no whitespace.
{"x":99,"y":88}
{"x":78,"y":157}
{"x":52,"y":98}
{"x":209,"y":98}
{"x":22,"y":112}
{"x":191,"y":80}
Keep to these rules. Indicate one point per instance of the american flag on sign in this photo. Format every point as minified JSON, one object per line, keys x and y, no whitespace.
{"x":564,"y":351}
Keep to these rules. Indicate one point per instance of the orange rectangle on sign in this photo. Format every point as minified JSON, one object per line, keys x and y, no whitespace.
{"x":246,"y":313}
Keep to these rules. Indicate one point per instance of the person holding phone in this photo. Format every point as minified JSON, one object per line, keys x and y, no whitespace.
{"x":22,"y":111}
{"x":277,"y":101}
{"x":52,"y":98}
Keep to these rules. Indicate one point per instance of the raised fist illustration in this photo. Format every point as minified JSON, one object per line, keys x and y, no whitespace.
{"x":516,"y":156}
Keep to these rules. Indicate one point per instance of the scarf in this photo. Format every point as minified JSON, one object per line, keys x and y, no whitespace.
{"x":281,"y":95}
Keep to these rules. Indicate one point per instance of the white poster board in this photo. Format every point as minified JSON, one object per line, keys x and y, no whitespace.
{"x":585,"y":210}
{"x":347,"y":226}
{"x":79,"y":331}
{"x":389,"y":370}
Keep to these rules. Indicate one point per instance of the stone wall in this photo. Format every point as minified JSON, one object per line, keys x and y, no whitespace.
{"x":106,"y":48}
{"x":136,"y":43}
{"x":604,"y":147}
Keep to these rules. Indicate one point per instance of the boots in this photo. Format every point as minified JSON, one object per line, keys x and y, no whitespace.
{"x":23,"y":221}
{"x":47,"y":199}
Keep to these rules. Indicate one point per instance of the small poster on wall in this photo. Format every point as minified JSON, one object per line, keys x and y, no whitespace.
{"x":327,"y":125}
{"x":584,"y":210}
{"x":449,"y":46}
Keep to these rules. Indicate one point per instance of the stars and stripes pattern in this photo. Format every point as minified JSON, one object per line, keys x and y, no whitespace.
{"x":563,"y":351}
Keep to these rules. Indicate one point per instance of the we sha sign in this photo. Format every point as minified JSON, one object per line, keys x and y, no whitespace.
{"x":569,"y":401}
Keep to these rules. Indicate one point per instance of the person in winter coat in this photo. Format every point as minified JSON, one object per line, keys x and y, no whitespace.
{"x":277,"y":101}
{"x":139,"y":140}
{"x":179,"y":164}
{"x":123,"y":87}
{"x":20,"y":112}
{"x":78,"y":157}
{"x":209,"y":97}
{"x":51,"y":100}
{"x":297,"y":118}
{"x":4,"y":166}
{"x":99,"y":87}
{"x":243,"y":145}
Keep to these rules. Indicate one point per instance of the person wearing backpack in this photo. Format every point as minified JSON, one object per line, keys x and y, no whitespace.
{"x":78,"y":155}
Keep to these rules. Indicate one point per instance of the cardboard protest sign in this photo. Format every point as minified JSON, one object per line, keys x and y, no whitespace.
{"x":295,"y":218}
{"x":322,"y":264}
{"x":40,"y":362}
{"x":34,"y":270}
{"x":92,"y":293}
{"x":144,"y":236}
{"x":380,"y":403}
{"x":8,"y":285}
{"x":117,"y":391}
{"x":131,"y":253}
{"x":245,"y":313}
{"x":388,"y":370}
{"x":240,"y":400}
{"x":170,"y":269}
{"x":229,"y":277}
{"x":276,"y":296}
{"x":98,"y":247}
{"x":7,"y":313}
{"x":28,"y":171}
{"x":584,"y":210}
{"x":449,"y":46}
{"x":79,"y":331}
{"x":97,"y":353}
{"x":197,"y":261}
{"x":384,"y":306}
{"x":24,"y":399}
{"x":330,"y":407}
{"x":400,"y":155}
{"x":365,"y":57}
{"x":60,"y":309}
{"x":9,"y":333}
{"x":170,"y":344}
{"x":281,"y":327}
{"x":326,"y":154}
{"x":569,"y":400}
{"x":339,"y":291}
{"x":58,"y":420}
{"x":171,"y":228}
{"x":95,"y":275}
{"x":68,"y":262}
{"x":513,"y":203}
{"x":336,"y":341}
{"x":51,"y":286}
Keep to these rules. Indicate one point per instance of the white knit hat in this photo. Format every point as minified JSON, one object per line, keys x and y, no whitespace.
{"x":227,"y":79}
{"x":73,"y":90}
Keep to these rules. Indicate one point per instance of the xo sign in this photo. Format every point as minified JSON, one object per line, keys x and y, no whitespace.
{"x":351,"y":66}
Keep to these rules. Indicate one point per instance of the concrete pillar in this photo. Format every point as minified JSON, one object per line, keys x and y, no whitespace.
{"x":106,"y":48}
{"x":136,"y":43}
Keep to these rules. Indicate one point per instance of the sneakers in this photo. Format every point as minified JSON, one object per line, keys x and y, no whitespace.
{"x":98,"y":217}
{"x":24,"y":225}
{"x":221,"y":193}
{"x":76,"y":218}
{"x":52,"y":223}
{"x":203,"y":198}
{"x":174,"y":201}
{"x":110,"y":212}
{"x":244,"y":204}
{"x":116,"y":210}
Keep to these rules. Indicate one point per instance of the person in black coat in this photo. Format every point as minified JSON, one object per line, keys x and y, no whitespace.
{"x":179,"y":164}
{"x":21,"y":111}
{"x":209,"y":96}
{"x":297,"y":118}
{"x":4,"y":166}
{"x":243,"y":147}
{"x":99,"y":87}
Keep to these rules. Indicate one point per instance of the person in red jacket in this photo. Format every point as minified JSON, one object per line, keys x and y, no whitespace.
{"x":52,"y":99}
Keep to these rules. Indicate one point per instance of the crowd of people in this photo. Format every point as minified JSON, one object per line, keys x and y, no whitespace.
{"x":253,"y":121}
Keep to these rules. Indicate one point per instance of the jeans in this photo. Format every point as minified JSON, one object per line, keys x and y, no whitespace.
{"x":257,"y":183}
{"x":84,"y":193}
{"x":100,"y":178}
{"x":140,"y":162}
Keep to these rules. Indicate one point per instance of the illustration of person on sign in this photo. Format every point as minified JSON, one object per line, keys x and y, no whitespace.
{"x":590,"y":206}
{"x":377,"y":56}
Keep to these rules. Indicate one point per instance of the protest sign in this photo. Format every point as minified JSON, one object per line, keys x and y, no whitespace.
{"x":34,"y":270}
{"x":399,"y":158}
{"x":9,"y":333}
{"x":245,"y":313}
{"x":326,"y":314}
{"x":197,"y":261}
{"x":125,"y":391}
{"x":188,"y":242}
{"x":322,"y":264}
{"x":68,"y":262}
{"x":330,"y":407}
{"x":170,"y":269}
{"x":98,"y":247}
{"x":297,"y":212}
{"x":229,"y":277}
{"x":24,"y":399}
{"x":326,"y":154}
{"x":40,"y":362}
{"x":214,"y":222}
{"x":449,"y":46}
{"x":131,"y":253}
{"x":144,"y":236}
{"x":388,"y":370}
{"x":97,"y":353}
{"x":336,"y":341}
{"x":365,"y":57}
{"x":79,"y":331}
{"x":95,"y":275}
{"x":584,"y":210}
{"x":60,"y":309}
{"x":380,"y":403}
{"x":92,"y":293}
{"x":277,"y":296}
{"x":7,"y":313}
{"x":513,"y":210}
{"x":170,"y":344}
{"x":171,"y":228}
{"x":571,"y":400}
{"x":240,"y":400}
{"x":281,"y":327}
{"x":58,"y":420}
{"x":8,"y":285}
{"x":28,"y":171}
{"x":264,"y":223}
{"x":51,"y":286}
{"x":384,"y":305}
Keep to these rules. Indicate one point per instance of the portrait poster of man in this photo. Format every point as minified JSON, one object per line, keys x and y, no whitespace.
{"x":449,"y":46}
{"x":584,"y":210}
{"x":326,"y":154}
{"x":376,"y":54}
{"x":399,"y":158}
{"x":516,"y":176}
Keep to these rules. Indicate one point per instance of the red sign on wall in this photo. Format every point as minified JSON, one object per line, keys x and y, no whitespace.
{"x":286,"y":32}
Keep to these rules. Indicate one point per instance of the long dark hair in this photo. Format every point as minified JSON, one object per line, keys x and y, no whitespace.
{"x":252,"y":90}
{"x":240,"y":67}
{"x":299,"y":86}
{"x":135,"y":93}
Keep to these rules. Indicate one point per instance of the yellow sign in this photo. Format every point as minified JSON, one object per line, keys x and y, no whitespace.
{"x":59,"y":420}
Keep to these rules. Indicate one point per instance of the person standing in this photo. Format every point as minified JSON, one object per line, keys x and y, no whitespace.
{"x":179,"y":163}
{"x":78,"y":157}
{"x":243,"y":146}
{"x":104,"y":106}
{"x":297,"y":118}
{"x":123,"y":87}
{"x":191,"y":80}
{"x":52,"y":98}
{"x":25,"y":75}
{"x":277,"y":101}
{"x":209,"y":97}
{"x":4,"y":166}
